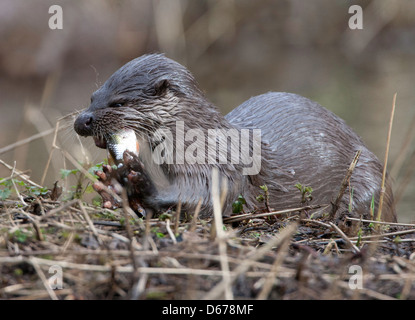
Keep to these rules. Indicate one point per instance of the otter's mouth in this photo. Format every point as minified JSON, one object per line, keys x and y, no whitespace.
{"x":100,"y":142}
{"x":117,"y":143}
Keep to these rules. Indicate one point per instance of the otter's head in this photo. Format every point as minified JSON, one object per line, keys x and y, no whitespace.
{"x":146,"y":94}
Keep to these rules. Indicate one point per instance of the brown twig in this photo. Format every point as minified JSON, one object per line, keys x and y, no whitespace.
{"x":216,"y":291}
{"x":21,"y":174}
{"x":170,"y":232}
{"x":27,"y":140}
{"x":267,"y":214}
{"x":220,"y":235}
{"x":89,"y":221}
{"x":42,"y":277}
{"x":345,"y":183}
{"x":54,"y":146}
{"x":382,"y":222}
{"x":348,"y":241}
{"x":281,"y":255}
{"x":134,"y":293}
{"x":195,"y":215}
{"x":382,"y":189}
{"x":177,"y":217}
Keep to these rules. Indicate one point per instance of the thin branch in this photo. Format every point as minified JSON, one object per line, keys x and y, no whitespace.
{"x":220,"y":235}
{"x":341,"y":233}
{"x":382,"y":189}
{"x":345,"y":183}
{"x":382,"y":222}
{"x":267,"y":214}
{"x":26,"y":141}
{"x":42,"y":277}
{"x":170,"y":232}
{"x":280,"y":257}
{"x":216,"y":291}
{"x":195,"y":215}
{"x":54,"y":146}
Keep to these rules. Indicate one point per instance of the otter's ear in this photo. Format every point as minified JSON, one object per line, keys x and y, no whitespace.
{"x":161,"y":87}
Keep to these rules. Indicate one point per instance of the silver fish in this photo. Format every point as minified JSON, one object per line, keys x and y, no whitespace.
{"x":121,"y":141}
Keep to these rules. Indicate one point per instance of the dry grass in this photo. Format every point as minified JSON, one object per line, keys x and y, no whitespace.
{"x":104,"y":257}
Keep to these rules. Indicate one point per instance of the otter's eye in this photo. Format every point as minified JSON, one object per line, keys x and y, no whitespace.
{"x":116,"y":104}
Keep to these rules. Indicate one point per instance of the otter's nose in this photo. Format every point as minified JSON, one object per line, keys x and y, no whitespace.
{"x":83,"y":124}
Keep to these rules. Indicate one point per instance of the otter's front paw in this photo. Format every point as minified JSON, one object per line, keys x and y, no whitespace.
{"x":130,"y":175}
{"x":138,"y":182}
{"x":104,"y":184}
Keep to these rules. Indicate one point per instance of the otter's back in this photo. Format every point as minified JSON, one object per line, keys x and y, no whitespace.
{"x":314,"y":147}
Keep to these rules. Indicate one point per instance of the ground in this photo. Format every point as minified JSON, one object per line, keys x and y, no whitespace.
{"x":55,"y":249}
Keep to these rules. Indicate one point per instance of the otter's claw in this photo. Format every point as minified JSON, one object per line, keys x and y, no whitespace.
{"x":103,"y":184}
{"x":130,"y":174}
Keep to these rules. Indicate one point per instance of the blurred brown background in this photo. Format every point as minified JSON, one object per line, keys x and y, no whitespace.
{"x":235,"y":49}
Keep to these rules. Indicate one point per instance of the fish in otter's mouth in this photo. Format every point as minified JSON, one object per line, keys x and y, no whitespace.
{"x":117,"y":143}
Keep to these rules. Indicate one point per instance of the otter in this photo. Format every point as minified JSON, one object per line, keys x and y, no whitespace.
{"x":300,"y":142}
